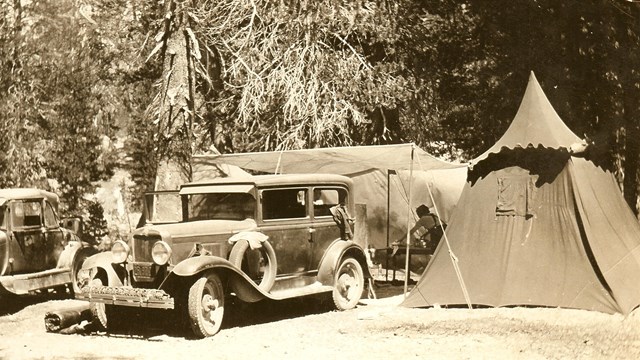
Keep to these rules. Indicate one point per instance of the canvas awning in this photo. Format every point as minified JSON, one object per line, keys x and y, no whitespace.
{"x":338,"y":160}
{"x":369,"y":167}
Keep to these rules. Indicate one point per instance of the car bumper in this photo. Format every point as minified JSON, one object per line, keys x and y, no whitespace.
{"x":127,"y":296}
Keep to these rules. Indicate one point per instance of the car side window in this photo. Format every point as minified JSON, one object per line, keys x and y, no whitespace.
{"x":284,"y":204}
{"x":50,"y":218}
{"x":323,"y":200}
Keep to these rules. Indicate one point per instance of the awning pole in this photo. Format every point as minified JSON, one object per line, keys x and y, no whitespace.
{"x":406,"y":268}
{"x":452,"y":256}
{"x":386,"y":275}
{"x":278,"y":164}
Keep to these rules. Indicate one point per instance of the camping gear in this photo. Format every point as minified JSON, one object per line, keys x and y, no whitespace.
{"x":56,"y":321}
{"x":536,"y":226}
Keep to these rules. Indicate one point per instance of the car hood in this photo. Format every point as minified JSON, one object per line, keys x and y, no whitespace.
{"x":197,"y":228}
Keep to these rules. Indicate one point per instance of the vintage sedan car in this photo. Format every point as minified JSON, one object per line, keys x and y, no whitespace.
{"x":263,"y":237}
{"x":36,"y":253}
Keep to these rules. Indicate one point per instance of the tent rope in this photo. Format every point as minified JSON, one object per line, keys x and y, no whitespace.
{"x":452,"y":256}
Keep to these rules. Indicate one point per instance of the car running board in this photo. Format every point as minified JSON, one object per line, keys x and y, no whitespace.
{"x":23,"y":284}
{"x":314,"y":288}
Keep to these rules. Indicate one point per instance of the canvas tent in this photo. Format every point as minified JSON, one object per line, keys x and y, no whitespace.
{"x":536,"y":226}
{"x":381,"y":176}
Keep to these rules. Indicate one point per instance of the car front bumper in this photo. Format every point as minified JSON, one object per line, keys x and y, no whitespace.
{"x":127,"y":296}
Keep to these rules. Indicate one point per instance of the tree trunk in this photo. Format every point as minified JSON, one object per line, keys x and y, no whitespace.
{"x":631,"y":39}
{"x":176,"y":103}
{"x":632,"y":147}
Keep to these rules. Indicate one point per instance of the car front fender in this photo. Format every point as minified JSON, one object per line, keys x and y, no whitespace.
{"x":197,"y":264}
{"x":338,"y":250}
{"x":105,"y":269}
{"x":241,"y":284}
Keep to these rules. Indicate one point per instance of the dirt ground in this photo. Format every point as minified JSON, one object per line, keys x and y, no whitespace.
{"x":376,"y":329}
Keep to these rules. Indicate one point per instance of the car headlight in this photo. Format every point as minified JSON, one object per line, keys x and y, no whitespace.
{"x":161,"y":252}
{"x":120,"y":251}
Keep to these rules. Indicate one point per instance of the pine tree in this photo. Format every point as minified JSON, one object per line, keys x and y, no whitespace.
{"x":96,"y":225}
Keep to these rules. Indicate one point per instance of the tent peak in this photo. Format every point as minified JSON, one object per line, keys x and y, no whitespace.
{"x":536,"y":124}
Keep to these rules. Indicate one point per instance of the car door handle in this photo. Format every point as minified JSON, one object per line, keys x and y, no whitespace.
{"x":311,"y":231}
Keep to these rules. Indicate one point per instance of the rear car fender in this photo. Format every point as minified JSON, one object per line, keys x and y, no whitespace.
{"x":337,"y":251}
{"x":189,"y":269}
{"x":68,"y":254}
{"x":73,"y":251}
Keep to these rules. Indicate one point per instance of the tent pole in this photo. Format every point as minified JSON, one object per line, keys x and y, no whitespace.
{"x":406,"y":268}
{"x":389,"y":171}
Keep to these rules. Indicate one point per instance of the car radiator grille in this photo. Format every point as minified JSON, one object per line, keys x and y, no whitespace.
{"x":142,"y":246}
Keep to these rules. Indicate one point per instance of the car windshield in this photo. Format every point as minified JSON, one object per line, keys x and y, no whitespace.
{"x":220,"y":206}
{"x":163,"y":207}
{"x":26,"y":213}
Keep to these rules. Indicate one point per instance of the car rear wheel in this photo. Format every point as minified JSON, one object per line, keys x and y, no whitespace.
{"x":348,"y":284}
{"x":206,"y":305}
{"x":260,"y":264}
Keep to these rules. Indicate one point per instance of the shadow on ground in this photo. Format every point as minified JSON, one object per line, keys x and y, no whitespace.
{"x":11,"y":304}
{"x":150,"y":323}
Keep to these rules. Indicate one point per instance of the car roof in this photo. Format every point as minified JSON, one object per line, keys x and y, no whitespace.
{"x":273,"y":180}
{"x":27,"y":193}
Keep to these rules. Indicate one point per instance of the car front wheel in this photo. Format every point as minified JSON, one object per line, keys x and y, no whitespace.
{"x":348,"y":284}
{"x":206,"y":305}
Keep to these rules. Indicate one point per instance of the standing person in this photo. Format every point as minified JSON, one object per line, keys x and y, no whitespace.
{"x":343,"y":219}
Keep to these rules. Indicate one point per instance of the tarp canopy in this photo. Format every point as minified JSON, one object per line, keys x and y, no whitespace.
{"x":536,"y":226}
{"x":380,"y":174}
{"x":338,"y":160}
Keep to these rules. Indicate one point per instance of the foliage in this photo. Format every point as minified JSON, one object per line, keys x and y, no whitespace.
{"x":71,"y":87}
{"x":585,"y":56}
{"x":95,"y":226}
{"x":299,"y":75}
{"x":78,"y":99}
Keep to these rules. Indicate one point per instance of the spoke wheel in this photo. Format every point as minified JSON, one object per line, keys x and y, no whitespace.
{"x":105,"y":317}
{"x":348,"y":284}
{"x":206,"y":305}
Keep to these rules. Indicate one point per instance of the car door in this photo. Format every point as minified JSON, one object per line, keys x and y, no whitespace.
{"x":28,"y":231}
{"x":53,"y":236}
{"x":284,"y":218}
{"x":325,"y":230}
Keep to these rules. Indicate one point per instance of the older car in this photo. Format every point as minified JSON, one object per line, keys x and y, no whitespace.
{"x":263,"y":237}
{"x":36,"y":253}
